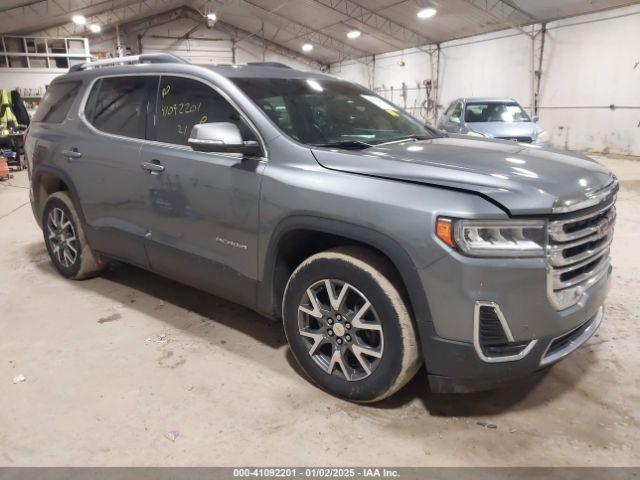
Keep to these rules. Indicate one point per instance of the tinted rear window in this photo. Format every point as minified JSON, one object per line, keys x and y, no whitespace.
{"x":117,"y":105}
{"x":56,"y":102}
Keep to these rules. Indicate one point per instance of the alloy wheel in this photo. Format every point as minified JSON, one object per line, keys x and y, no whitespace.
{"x":341,"y":329}
{"x":62,"y":237}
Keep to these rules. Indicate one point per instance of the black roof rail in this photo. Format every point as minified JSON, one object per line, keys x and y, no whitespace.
{"x":142,"y":58}
{"x":269,"y":64}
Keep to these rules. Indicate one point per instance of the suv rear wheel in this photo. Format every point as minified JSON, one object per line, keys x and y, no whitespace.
{"x":348,"y":326}
{"x":65,"y":239}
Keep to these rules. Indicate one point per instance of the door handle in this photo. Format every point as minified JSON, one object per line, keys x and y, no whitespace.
{"x":153,"y":167}
{"x":70,"y":154}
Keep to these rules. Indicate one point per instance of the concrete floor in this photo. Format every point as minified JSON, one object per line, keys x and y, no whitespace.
{"x":113,"y":365}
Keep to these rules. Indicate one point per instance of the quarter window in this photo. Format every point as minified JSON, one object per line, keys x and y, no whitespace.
{"x":184,"y":102}
{"x":57,"y":102}
{"x":117,"y":105}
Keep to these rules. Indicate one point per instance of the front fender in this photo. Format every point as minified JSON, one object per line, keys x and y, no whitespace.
{"x":267,"y":301}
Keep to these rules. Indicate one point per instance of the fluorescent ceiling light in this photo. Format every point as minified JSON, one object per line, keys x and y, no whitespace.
{"x":212,"y":17}
{"x":426,"y":13}
{"x":95,"y":28}
{"x":78,"y":19}
{"x":307,"y":47}
{"x":354,"y":34}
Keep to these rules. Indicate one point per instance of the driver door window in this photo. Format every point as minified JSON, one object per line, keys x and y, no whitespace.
{"x":449,"y":110}
{"x":457,"y":111}
{"x":184,"y":102}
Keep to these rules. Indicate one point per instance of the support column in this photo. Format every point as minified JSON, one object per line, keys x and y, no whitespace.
{"x":540,"y":39}
{"x":436,"y":84}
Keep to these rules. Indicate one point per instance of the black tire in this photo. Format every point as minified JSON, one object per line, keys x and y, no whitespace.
{"x":86,"y":263}
{"x":368,"y":276}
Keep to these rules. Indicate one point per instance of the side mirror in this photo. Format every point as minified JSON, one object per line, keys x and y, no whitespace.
{"x":535,"y":118}
{"x":221,"y":137}
{"x":455,"y":120}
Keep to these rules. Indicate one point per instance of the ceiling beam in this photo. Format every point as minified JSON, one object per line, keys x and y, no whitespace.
{"x":240,"y":35}
{"x":145,"y":23}
{"x":141,"y":26}
{"x":102,"y":12}
{"x":379,"y":23}
{"x":24,"y":4}
{"x":511,"y":4}
{"x":503,"y":12}
{"x":297,"y":30}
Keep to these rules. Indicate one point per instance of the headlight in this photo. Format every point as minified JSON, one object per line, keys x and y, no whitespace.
{"x":543,"y":137}
{"x":471,"y":133}
{"x":488,"y":238}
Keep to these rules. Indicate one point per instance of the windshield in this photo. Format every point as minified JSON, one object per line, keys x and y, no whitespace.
{"x":508,"y":112}
{"x":326,"y":112}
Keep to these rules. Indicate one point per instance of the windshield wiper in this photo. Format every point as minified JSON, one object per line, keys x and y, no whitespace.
{"x":346,"y":144}
{"x":407,"y":137}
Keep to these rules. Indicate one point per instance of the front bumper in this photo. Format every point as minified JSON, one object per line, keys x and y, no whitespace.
{"x":466,"y":373}
{"x":456,"y":283}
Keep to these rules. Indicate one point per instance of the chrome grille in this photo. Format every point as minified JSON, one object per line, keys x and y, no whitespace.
{"x":578,"y":252}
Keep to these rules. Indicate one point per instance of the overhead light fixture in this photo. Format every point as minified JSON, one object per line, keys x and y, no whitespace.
{"x":353,"y":34}
{"x":95,"y":28}
{"x":212,"y":18}
{"x":79,"y":19}
{"x":307,"y":47}
{"x":426,"y":13}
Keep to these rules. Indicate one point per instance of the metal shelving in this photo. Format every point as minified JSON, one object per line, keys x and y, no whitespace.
{"x":43,"y":52}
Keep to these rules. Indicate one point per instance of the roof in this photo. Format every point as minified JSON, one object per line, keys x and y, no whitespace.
{"x":167,"y":62}
{"x":266,"y":71}
{"x":163,"y":63}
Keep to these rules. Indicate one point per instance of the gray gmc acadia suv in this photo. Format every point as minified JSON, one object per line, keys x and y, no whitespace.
{"x":380,"y":243}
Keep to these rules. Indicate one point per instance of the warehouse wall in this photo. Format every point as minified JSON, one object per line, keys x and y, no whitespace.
{"x":590,"y":62}
{"x":386,"y":76}
{"x":10,"y":78}
{"x":492,"y":65}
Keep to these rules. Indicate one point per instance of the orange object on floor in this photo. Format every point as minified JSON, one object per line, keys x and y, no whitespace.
{"x":4,"y":169}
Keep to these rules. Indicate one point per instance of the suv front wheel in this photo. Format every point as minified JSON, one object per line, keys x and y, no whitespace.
{"x":65,"y":239}
{"x":348,"y":326}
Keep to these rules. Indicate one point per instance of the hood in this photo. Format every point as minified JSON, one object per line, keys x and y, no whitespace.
{"x":505,"y":129}
{"x":523,"y":178}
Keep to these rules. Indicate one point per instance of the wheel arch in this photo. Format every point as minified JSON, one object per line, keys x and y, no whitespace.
{"x":47,"y":180}
{"x":309,"y":235}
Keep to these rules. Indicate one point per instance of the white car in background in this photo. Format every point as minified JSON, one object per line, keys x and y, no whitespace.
{"x":493,"y":117}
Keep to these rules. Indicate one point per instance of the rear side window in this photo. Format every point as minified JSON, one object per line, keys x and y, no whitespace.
{"x":183,"y":103}
{"x":117,"y":105}
{"x":57,"y":102}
